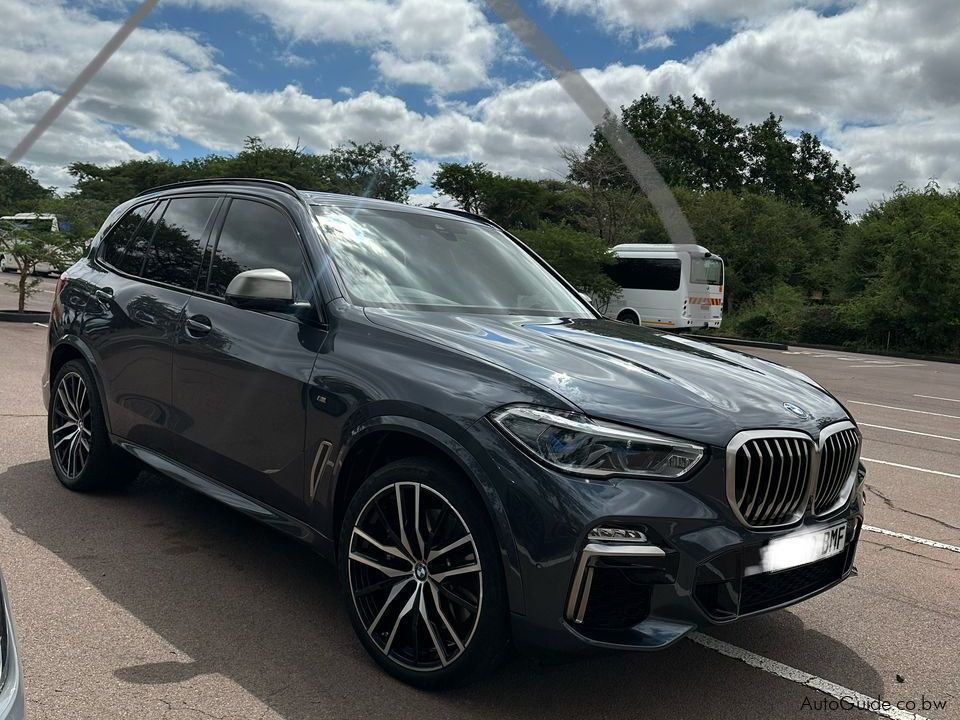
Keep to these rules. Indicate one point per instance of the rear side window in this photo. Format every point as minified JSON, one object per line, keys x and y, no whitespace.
{"x":122,"y":233}
{"x":646,"y":273}
{"x":256,"y":236}
{"x":174,"y":256}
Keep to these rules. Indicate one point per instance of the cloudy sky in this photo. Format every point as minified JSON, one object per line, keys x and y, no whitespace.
{"x":878,"y":80}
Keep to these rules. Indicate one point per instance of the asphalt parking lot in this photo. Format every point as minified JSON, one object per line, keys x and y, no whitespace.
{"x":156,"y":602}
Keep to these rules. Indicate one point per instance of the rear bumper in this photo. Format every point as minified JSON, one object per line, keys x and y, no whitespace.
{"x":698,"y":566}
{"x":11,"y":685}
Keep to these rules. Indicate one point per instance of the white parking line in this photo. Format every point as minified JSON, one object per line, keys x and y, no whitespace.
{"x":911,"y":467}
{"x":895,"y":365}
{"x":909,"y":432}
{"x":838,"y":692}
{"x":913,"y":538}
{"x":894,"y":407}
{"x":935,"y":397}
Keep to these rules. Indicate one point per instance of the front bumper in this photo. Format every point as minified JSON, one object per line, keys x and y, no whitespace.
{"x":11,"y":685}
{"x":699,"y":566}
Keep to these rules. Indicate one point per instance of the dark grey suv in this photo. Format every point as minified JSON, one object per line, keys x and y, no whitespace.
{"x":423,"y":400}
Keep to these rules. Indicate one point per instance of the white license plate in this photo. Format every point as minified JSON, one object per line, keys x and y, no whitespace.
{"x":803,"y":548}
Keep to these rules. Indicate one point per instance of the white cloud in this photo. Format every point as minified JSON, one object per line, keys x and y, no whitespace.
{"x":876,"y":81}
{"x":447,"y":46}
{"x":654,"y":18}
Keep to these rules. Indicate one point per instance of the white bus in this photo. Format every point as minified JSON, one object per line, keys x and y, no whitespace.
{"x":39,"y":221}
{"x":667,"y":286}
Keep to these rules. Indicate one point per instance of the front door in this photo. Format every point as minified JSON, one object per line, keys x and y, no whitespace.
{"x":240,"y":377}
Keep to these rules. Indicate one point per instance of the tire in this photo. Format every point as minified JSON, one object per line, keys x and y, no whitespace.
{"x":415,"y":618}
{"x":82,"y":455}
{"x":629,"y":317}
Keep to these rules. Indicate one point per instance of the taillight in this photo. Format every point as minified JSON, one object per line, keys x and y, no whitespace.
{"x":61,"y":281}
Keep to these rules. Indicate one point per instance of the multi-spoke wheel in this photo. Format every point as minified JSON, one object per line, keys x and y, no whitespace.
{"x":418,"y":562}
{"x":73,"y":425}
{"x":80,"y":448}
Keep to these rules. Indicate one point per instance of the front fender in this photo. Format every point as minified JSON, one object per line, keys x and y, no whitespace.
{"x":457,"y":445}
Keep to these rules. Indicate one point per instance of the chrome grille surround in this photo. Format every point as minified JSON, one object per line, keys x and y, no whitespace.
{"x":774,"y":488}
{"x":839,"y":456}
{"x":775,"y":476}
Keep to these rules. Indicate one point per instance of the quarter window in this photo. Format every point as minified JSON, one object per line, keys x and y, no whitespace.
{"x":174,"y":256}
{"x":122,"y":235}
{"x":256,"y":236}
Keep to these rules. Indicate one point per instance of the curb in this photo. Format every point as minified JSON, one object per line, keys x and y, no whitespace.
{"x":27,"y":316}
{"x":721,"y":340}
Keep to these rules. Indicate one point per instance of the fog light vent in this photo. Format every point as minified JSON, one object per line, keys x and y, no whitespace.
{"x":612,"y":534}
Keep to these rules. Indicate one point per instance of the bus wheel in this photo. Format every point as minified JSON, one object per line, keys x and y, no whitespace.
{"x":629,"y":316}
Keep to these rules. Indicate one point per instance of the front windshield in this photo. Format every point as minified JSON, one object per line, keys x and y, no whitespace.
{"x":399,"y":259}
{"x":706,"y":271}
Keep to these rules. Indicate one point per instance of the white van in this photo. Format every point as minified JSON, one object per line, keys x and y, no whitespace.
{"x":38,"y":221}
{"x":667,"y":286}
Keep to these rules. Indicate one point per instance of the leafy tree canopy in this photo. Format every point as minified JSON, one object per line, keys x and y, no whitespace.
{"x":700,"y":147}
{"x":19,"y":189}
{"x":372,"y":169}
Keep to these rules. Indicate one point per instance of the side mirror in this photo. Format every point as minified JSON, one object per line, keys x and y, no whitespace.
{"x":264,"y":289}
{"x":586,"y":297}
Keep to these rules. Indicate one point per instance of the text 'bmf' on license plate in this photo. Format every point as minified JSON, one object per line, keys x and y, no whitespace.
{"x":803,"y":548}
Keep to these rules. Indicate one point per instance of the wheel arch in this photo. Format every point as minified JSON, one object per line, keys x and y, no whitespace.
{"x":629,"y":311}
{"x":68,"y":348}
{"x":381,"y":440}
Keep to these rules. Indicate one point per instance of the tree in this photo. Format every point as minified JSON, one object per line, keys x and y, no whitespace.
{"x":510,"y":202}
{"x":371,"y":170}
{"x":611,"y":205}
{"x":580,"y":257}
{"x":698,"y":146}
{"x":19,"y":189}
{"x":902,"y":266}
{"x":822,"y":183}
{"x":30,"y":246}
{"x":695,"y":146}
{"x":462,"y":182}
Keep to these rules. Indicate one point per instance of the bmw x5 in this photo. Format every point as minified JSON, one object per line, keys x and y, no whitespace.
{"x":414,"y":393}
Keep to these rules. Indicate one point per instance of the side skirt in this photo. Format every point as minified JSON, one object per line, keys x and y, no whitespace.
{"x":238,"y":501}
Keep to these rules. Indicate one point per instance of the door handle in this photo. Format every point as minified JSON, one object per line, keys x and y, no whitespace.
{"x":145,"y":318}
{"x":104,"y":294}
{"x":198,"y":325}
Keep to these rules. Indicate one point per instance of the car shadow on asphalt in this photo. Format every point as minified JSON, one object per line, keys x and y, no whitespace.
{"x":245,"y":602}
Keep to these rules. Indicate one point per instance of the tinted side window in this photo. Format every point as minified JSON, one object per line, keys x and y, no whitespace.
{"x":174,"y":256}
{"x":121,"y":234}
{"x":646,"y":273}
{"x":256,"y":235}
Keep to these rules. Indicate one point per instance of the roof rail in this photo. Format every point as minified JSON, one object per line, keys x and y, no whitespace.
{"x":466,"y":214}
{"x":275,"y":184}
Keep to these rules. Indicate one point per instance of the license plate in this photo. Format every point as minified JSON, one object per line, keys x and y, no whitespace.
{"x":803,"y":548}
{"x":704,"y":307}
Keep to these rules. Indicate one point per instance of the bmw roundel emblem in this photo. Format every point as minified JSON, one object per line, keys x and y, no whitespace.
{"x":796,"y":410}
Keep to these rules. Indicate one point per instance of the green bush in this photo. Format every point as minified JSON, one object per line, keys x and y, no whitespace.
{"x":775,"y":314}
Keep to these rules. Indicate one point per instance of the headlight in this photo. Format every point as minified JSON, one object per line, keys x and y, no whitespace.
{"x":576,"y":444}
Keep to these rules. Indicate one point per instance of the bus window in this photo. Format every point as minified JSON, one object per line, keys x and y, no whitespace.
{"x":706,"y":271}
{"x":646,"y":273}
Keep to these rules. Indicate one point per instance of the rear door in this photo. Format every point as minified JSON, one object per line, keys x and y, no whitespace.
{"x":138,"y":295}
{"x":240,"y":376}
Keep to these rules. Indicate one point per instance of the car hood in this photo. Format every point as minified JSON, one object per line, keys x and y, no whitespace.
{"x":632,"y":374}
